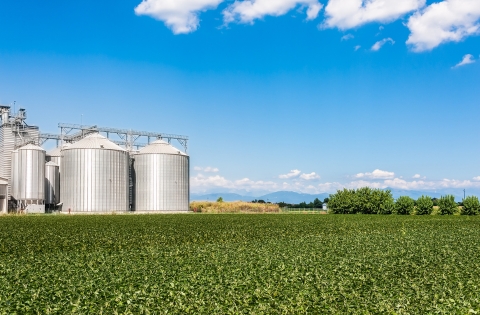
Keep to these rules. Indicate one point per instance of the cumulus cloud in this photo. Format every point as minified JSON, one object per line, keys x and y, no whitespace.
{"x":207,"y":169}
{"x":346,"y":14}
{"x":202,"y":183}
{"x":249,"y":10}
{"x":376,"y":174}
{"x":357,"y":47}
{"x":442,"y":22}
{"x":347,"y":37}
{"x":292,"y":174}
{"x":382,"y":42}
{"x":476,"y":178}
{"x":310,"y":176}
{"x":181,"y":16}
{"x":416,"y":176}
{"x":467,"y":59}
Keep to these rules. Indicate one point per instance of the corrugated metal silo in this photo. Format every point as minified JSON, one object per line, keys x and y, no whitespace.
{"x":55,"y":155}
{"x":15,"y":177}
{"x":52,"y":184}
{"x":30,"y":182}
{"x":161,"y":175}
{"x":94,"y":176}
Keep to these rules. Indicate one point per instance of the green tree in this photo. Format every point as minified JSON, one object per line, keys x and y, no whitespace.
{"x":317,"y":203}
{"x":447,"y":205}
{"x":471,"y":206}
{"x":363,"y":200}
{"x":424,"y":205}
{"x":404,"y":205}
{"x":220,"y":199}
{"x":342,"y":202}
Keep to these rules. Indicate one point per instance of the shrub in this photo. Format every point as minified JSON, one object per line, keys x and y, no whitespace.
{"x":447,"y":205}
{"x":342,"y":202}
{"x":471,"y":206}
{"x":404,"y":205}
{"x":424,"y":205}
{"x":363,"y":200}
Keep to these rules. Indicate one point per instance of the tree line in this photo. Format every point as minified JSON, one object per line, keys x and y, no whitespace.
{"x":366,"y":200}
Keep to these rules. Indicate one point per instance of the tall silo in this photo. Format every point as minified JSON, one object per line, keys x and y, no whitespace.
{"x":52,"y":185}
{"x":161,"y":175}
{"x":30,"y":183}
{"x":94,"y":176}
{"x":15,"y":176}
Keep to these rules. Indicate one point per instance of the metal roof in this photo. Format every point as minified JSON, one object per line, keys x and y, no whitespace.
{"x":31,"y":147}
{"x":58,"y":150}
{"x":160,"y":147}
{"x":94,"y":141}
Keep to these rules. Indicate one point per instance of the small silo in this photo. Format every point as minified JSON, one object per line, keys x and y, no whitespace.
{"x":52,"y":185}
{"x":161,"y":178}
{"x":15,"y":177}
{"x":55,"y":155}
{"x":94,"y":176}
{"x":30,"y":182}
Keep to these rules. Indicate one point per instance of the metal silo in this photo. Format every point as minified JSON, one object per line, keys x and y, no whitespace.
{"x":52,"y":185}
{"x":161,"y":174}
{"x":30,"y":183}
{"x":94,"y":176}
{"x":55,"y":155}
{"x":15,"y":176}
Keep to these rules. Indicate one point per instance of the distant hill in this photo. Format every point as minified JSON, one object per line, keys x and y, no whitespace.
{"x":296,"y":198}
{"x":279,"y":196}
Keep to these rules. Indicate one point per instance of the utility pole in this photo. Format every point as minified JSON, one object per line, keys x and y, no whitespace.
{"x":463,"y":193}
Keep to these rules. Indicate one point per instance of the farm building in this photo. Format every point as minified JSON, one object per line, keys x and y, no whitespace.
{"x":92,"y":169}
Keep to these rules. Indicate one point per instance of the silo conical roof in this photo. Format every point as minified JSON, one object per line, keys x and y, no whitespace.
{"x":50,"y":163}
{"x":58,"y":150}
{"x":160,"y":147}
{"x":95,"y":141}
{"x":31,"y":146}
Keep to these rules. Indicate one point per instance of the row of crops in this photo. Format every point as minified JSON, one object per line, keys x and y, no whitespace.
{"x":376,"y":201}
{"x":239,"y":264}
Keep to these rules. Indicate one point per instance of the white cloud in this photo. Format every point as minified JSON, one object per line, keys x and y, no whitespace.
{"x":249,"y":10}
{"x":310,"y":176}
{"x":445,"y":21}
{"x":476,"y":178}
{"x":347,"y":37}
{"x":467,"y":59}
{"x":346,"y":14}
{"x":181,"y":16}
{"x":202,"y":183}
{"x":376,"y":174}
{"x":382,"y":42}
{"x":416,"y":176}
{"x":357,"y":47}
{"x":207,"y":169}
{"x":292,"y":174}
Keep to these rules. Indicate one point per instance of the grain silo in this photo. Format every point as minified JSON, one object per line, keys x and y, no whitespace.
{"x":55,"y":155}
{"x":15,"y":171}
{"x":94,"y":176}
{"x":161,"y":178}
{"x":29,"y":186}
{"x":52,"y":185}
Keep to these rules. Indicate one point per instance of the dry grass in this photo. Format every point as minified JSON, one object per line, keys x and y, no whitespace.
{"x":233,"y":207}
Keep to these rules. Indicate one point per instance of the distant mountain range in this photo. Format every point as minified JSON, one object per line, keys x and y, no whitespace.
{"x":279,"y":196}
{"x":295,"y":198}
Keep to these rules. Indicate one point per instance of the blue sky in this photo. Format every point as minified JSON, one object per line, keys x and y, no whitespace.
{"x":308,"y":96}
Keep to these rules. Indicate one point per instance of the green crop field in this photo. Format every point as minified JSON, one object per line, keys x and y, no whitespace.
{"x":231,"y":264}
